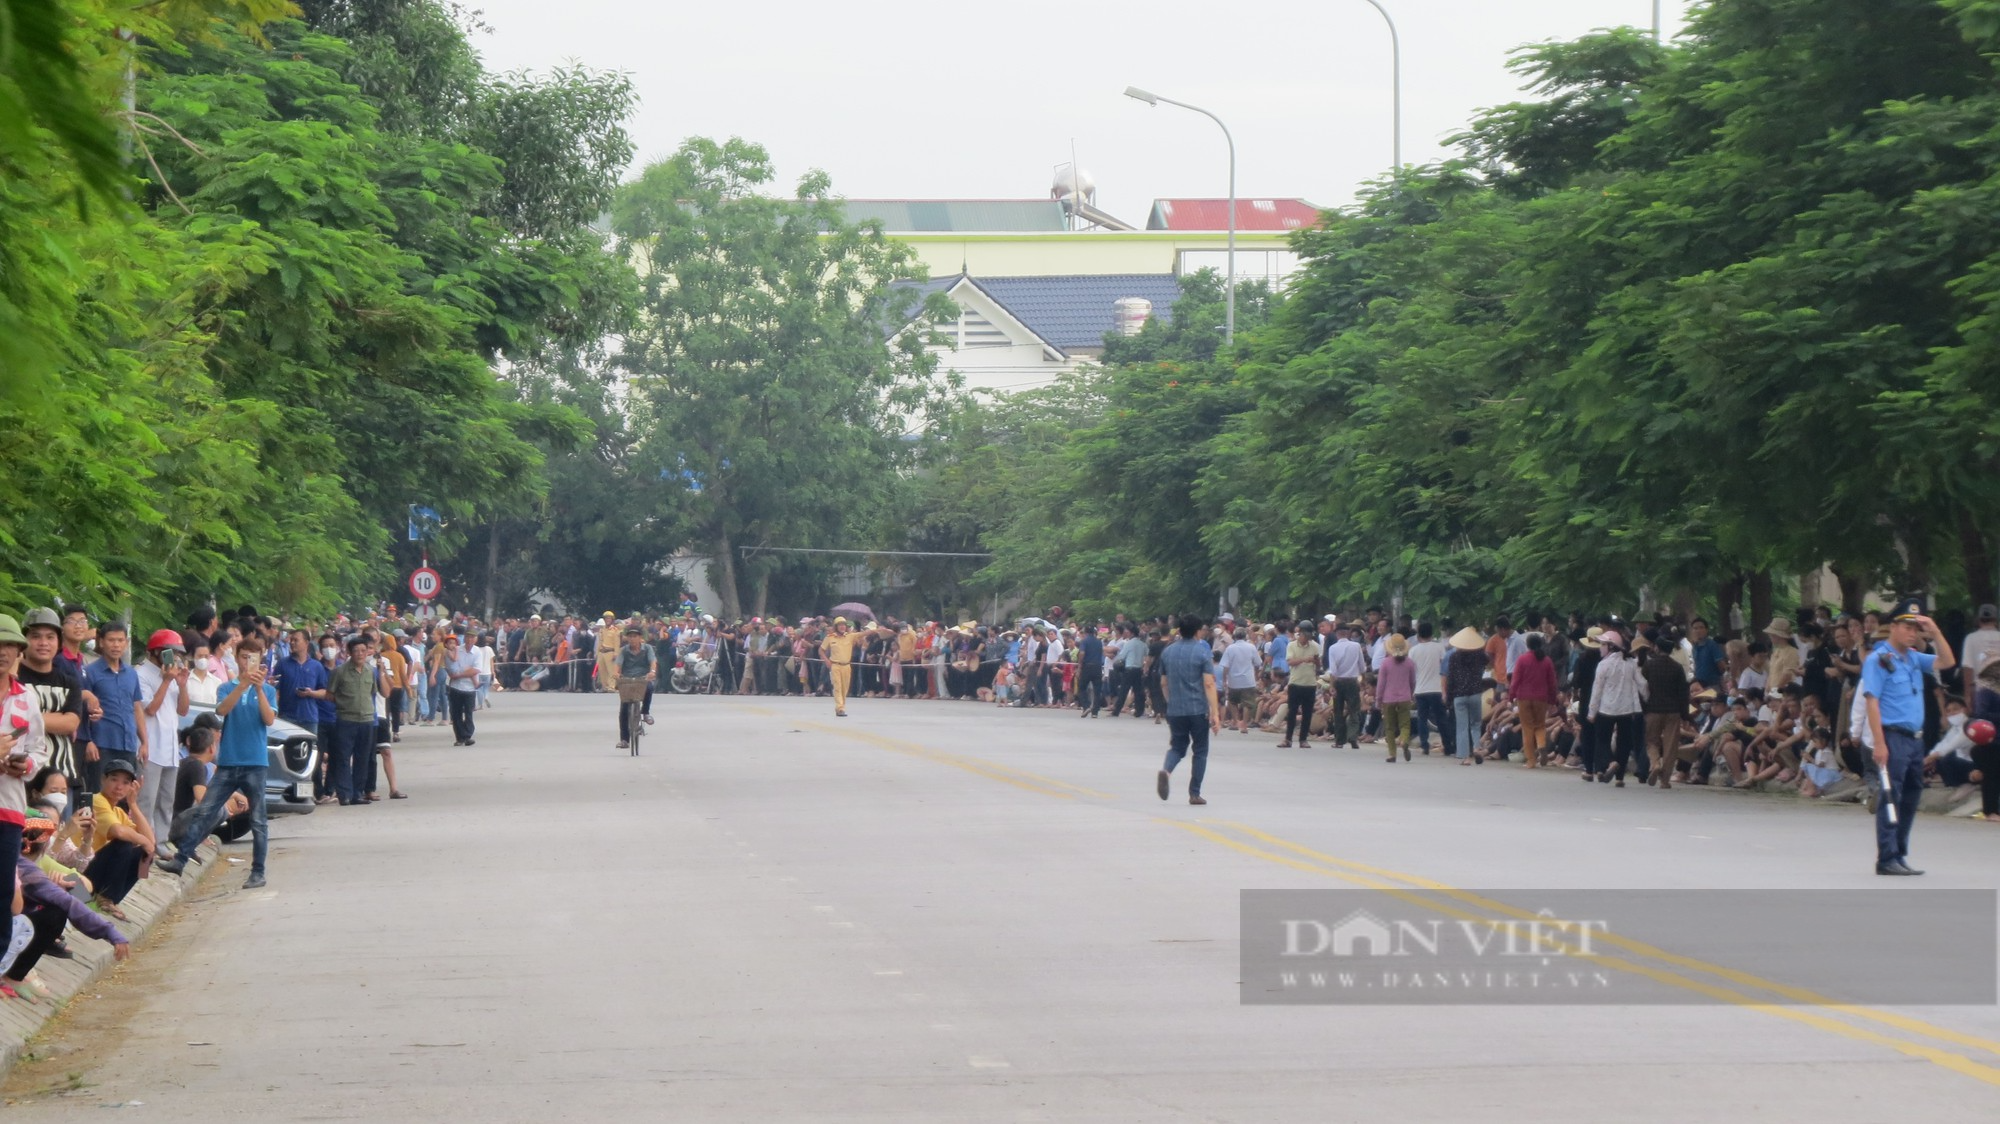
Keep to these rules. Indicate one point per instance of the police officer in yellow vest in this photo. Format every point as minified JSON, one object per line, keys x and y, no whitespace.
{"x":840,"y":648}
{"x":607,"y":653}
{"x":1892,"y":683}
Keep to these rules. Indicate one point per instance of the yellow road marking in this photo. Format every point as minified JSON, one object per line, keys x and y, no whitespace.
{"x":1954,"y":1062}
{"x":1034,"y":782}
{"x":1740,"y":978}
{"x":1019,"y":778}
{"x":1373,"y":878}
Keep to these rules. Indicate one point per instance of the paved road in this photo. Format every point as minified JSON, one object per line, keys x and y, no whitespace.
{"x":937,"y":911}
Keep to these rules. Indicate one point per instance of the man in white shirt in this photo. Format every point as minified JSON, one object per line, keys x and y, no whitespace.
{"x":1344,"y":664}
{"x":1428,"y":693}
{"x":1239,"y":678}
{"x":1982,"y":646}
{"x":163,"y":699}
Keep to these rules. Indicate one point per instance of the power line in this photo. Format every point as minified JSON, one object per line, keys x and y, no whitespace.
{"x":750,"y":550}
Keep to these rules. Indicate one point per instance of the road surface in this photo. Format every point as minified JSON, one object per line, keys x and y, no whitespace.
{"x":935,"y":911}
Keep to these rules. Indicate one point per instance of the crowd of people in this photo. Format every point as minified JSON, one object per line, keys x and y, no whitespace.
{"x":121,"y":758}
{"x":1660,"y":702}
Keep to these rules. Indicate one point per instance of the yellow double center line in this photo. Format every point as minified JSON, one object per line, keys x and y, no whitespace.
{"x":1816,"y":1010}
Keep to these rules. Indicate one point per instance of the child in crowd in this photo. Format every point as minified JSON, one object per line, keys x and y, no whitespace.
{"x":1819,"y":771}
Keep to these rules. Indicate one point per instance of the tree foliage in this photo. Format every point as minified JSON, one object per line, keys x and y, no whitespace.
{"x":1698,"y":313}
{"x":770,"y":372}
{"x":245,"y":373}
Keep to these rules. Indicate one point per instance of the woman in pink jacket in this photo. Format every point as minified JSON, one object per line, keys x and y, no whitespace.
{"x":1533,"y":685}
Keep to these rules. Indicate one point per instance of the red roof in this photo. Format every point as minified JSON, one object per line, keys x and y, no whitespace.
{"x":1213,"y":214}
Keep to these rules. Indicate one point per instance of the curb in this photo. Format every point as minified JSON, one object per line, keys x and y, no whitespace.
{"x":146,"y":905}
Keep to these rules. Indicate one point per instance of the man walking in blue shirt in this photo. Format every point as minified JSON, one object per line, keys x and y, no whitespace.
{"x":247,"y":712}
{"x":1892,"y":682}
{"x":1189,"y":670}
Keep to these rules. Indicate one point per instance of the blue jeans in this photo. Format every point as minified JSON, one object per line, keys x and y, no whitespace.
{"x":1906,"y":787}
{"x":1431,"y":715}
{"x":437,"y":694}
{"x":354,"y":744}
{"x":1465,"y":716}
{"x":1183,"y":730}
{"x":246,"y":779}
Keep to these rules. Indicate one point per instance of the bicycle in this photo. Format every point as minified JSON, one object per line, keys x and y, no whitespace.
{"x":632,"y":704}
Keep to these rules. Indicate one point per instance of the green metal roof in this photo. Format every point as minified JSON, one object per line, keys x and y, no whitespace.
{"x":909,"y":216}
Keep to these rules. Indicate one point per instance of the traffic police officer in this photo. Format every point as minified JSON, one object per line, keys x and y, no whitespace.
{"x":1892,"y":682}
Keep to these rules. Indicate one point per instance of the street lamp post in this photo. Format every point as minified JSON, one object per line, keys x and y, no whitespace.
{"x":1396,"y":78}
{"x":1229,"y":292}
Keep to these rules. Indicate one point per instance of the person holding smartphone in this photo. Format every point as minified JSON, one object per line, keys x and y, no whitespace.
{"x":163,"y":695}
{"x":23,"y":743}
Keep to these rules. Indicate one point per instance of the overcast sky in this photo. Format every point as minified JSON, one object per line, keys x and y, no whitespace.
{"x":898,"y":99}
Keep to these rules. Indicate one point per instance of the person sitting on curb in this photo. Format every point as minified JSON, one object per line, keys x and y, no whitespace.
{"x":123,"y":841}
{"x":48,"y":909}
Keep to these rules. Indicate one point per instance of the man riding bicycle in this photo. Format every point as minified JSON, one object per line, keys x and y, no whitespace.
{"x":636,"y":661}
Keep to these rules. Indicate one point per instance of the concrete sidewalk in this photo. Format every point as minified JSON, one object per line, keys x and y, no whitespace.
{"x":147,"y":905}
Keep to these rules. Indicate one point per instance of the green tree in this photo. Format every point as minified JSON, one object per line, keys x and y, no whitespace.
{"x":770,"y":376}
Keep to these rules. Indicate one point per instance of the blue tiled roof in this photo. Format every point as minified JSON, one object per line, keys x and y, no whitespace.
{"x":1076,"y":311}
{"x":914,"y":216}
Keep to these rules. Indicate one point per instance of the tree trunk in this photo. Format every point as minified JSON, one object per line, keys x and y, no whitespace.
{"x":1727,"y":595}
{"x":1852,"y":590}
{"x":1808,"y":593}
{"x":763,"y":590}
{"x":1683,"y":605}
{"x":724,"y":571}
{"x":1975,"y":547}
{"x":1911,"y":535}
{"x":492,"y":571}
{"x":1760,"y":601}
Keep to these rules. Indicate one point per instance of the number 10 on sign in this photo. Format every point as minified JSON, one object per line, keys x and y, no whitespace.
{"x":425,"y":583}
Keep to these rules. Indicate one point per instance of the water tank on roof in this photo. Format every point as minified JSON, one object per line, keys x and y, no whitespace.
{"x":1073,"y":183}
{"x":1129,"y":314}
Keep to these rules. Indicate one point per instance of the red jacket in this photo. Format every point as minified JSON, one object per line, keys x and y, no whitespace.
{"x":1534,"y":678}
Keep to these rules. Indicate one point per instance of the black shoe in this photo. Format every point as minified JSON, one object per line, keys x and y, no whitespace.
{"x":468,"y":741}
{"x":1898,"y":867}
{"x":1161,"y":786}
{"x":254,"y":882}
{"x":170,"y":866}
{"x":60,"y":950}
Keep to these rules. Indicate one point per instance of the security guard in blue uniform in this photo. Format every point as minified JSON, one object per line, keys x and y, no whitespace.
{"x":1892,"y":682}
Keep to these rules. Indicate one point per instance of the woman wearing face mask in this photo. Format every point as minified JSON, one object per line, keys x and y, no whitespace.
{"x":203,"y":685}
{"x":222,"y":655}
{"x":329,"y":657}
{"x":49,"y":788}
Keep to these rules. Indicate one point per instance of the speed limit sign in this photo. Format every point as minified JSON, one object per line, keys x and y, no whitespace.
{"x":425,"y":583}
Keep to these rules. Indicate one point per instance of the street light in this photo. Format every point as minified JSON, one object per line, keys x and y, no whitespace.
{"x":1396,"y":73}
{"x":1229,"y":293}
